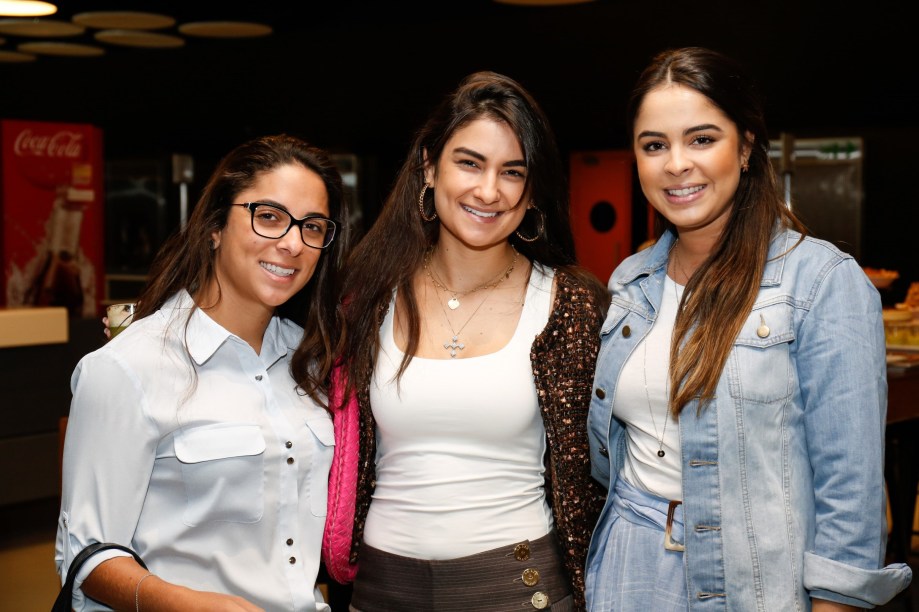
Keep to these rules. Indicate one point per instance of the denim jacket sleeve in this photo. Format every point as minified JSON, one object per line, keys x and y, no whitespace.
{"x":842,"y":369}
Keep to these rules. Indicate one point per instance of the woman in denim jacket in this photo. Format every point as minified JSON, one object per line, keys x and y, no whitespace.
{"x":741,"y":383}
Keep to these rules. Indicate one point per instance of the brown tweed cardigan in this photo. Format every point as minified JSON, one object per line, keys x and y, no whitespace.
{"x":563,"y":358}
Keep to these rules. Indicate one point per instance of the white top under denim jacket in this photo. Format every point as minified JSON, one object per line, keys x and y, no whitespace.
{"x":206,"y":461}
{"x":782,"y":473}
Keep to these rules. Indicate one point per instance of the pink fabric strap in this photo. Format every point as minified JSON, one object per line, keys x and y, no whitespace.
{"x":339,"y":524}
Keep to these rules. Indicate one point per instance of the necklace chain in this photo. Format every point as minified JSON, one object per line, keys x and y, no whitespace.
{"x":644,"y":370}
{"x":454,"y":302}
{"x":455,"y":344}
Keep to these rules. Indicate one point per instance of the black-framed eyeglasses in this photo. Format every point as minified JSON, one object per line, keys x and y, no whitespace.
{"x":270,"y":221}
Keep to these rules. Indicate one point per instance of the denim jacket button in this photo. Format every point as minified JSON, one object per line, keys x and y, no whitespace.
{"x":626,"y":331}
{"x":601,"y":393}
{"x":604,"y":451}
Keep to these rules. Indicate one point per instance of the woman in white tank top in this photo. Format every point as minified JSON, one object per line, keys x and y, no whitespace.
{"x":472,"y":340}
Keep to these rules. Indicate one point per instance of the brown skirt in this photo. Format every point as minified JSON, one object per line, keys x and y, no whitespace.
{"x":518,"y":577}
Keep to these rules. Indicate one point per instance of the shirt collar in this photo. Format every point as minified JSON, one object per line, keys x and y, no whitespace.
{"x":204,"y":336}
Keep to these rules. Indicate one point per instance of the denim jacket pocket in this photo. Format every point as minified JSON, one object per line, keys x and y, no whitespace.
{"x":760,"y":367}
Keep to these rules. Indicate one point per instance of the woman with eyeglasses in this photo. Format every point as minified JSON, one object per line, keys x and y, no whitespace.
{"x":471,"y":344}
{"x":200,"y":437}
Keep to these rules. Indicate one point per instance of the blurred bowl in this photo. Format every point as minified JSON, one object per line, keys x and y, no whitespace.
{"x":881,"y":278}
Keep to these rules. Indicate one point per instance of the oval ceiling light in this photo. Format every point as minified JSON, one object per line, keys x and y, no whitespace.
{"x":139,"y":38}
{"x":26,"y":8}
{"x":14,"y":57}
{"x":225,"y":29}
{"x":61,"y":49}
{"x":124,"y":20}
{"x":41,"y":28}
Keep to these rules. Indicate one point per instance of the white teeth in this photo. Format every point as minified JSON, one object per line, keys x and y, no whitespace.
{"x":479,"y":213}
{"x":277,"y":269}
{"x":684,"y":192}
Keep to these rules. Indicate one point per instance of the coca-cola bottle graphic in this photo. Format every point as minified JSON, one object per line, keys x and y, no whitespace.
{"x":58,"y":280}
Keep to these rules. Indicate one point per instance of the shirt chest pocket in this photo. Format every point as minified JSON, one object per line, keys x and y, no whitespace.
{"x":760,"y":367}
{"x":223,"y":472}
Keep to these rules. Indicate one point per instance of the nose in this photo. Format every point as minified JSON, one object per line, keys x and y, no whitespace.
{"x":487,"y":189}
{"x":292,"y":242}
{"x":677,"y":161}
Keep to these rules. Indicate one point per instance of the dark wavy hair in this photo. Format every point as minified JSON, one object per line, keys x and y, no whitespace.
{"x":186,"y":260}
{"x":720,"y":295}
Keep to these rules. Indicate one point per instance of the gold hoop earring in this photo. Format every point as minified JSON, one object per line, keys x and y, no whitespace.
{"x":424,"y":188}
{"x":540,"y":227}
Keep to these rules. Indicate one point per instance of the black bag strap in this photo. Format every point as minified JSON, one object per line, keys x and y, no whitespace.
{"x":64,"y":600}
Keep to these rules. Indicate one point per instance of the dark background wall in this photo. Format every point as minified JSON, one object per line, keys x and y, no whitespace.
{"x":358,"y":78}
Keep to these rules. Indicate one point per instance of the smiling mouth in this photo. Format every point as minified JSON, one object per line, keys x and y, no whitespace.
{"x":479,"y":213}
{"x":278,"y":270}
{"x":681,"y":193}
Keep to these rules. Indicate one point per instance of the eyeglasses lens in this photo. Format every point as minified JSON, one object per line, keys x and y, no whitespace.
{"x":272,"y":222}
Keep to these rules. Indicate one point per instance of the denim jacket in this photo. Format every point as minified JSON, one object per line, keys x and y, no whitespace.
{"x":782,"y":472}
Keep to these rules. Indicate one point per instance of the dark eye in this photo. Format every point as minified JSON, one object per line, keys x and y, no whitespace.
{"x":703,"y":140}
{"x":315,"y":226}
{"x":265,"y":214}
{"x":651,"y":147}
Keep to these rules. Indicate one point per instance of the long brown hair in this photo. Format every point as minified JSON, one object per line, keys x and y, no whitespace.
{"x":186,"y":260}
{"x":720,"y":295}
{"x":392,"y":251}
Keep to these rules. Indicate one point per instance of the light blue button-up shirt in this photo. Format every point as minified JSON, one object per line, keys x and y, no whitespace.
{"x":782,"y":473}
{"x":205,"y":460}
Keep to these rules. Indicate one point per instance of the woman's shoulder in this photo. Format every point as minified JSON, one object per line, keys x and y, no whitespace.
{"x":578,"y":293}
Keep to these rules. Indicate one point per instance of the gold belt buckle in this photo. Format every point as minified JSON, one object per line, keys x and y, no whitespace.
{"x":669,"y":544}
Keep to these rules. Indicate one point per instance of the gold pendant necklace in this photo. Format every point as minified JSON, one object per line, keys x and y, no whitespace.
{"x":454,"y":302}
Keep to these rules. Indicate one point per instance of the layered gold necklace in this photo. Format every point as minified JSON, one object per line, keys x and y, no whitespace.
{"x":454,"y":302}
{"x":454,"y":344}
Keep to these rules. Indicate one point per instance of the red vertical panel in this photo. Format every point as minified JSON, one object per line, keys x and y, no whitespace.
{"x":601,"y":208}
{"x":52,"y":202}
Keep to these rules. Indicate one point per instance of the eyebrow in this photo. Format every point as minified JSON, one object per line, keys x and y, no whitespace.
{"x":283,"y":207}
{"x":696,"y":128}
{"x":512,"y":163}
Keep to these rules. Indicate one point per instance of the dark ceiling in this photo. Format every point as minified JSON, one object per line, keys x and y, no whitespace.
{"x":360,"y":76}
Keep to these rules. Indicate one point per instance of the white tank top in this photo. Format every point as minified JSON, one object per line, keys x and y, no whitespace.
{"x":460,"y":445}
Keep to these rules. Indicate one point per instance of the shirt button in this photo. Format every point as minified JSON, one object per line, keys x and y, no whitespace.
{"x":601,"y":393}
{"x":539,"y":600}
{"x":626,"y":332}
{"x":288,"y":444}
{"x":290,"y":541}
{"x":290,"y":461}
{"x":530,"y":576}
{"x":292,"y":560}
{"x":258,"y":377}
{"x":522,"y":552}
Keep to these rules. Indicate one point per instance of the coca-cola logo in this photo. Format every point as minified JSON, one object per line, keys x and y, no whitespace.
{"x":61,"y":144}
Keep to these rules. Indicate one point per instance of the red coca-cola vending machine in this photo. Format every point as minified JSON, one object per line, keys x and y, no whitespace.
{"x":51,"y":196}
